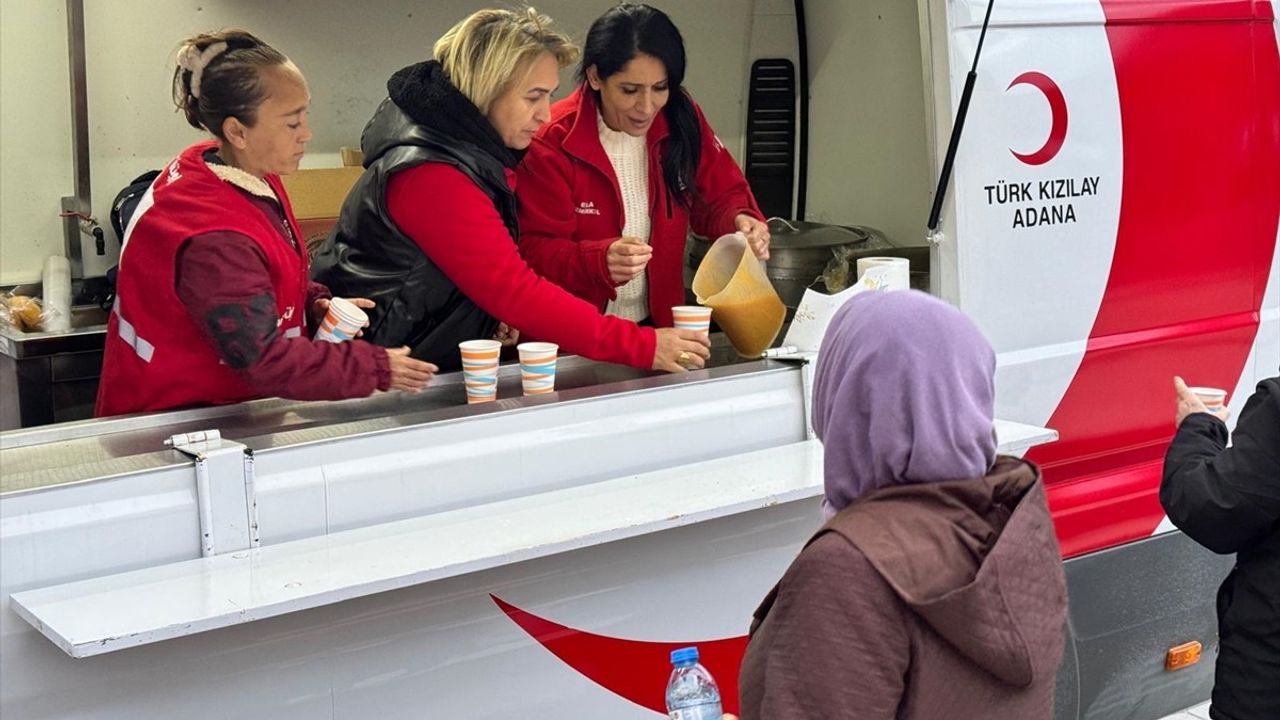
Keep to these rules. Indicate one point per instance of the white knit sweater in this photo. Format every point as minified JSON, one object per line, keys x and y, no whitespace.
{"x":631,"y":164}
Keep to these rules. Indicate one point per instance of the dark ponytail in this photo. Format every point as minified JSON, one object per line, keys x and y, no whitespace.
{"x":228,"y":78}
{"x":618,"y":36}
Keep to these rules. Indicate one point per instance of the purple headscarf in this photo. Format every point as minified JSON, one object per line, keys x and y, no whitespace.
{"x":903,"y":393}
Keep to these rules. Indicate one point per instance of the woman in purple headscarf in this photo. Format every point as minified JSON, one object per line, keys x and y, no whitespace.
{"x":936,"y":587}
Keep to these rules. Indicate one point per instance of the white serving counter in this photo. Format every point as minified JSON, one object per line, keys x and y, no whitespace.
{"x":569,"y":502}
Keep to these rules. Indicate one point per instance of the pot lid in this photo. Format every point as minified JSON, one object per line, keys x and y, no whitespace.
{"x":800,"y":234}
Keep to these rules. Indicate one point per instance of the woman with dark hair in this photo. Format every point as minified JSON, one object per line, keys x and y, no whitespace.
{"x":627,"y":163}
{"x":213,"y":304}
{"x":430,"y":229}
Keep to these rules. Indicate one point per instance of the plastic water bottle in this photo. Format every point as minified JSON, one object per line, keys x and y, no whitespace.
{"x":691,"y":692}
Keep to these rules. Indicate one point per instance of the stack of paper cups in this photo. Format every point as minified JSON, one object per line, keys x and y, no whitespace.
{"x":888,"y":273}
{"x":56,"y":291}
{"x":538,"y":367}
{"x":480,"y":369}
{"x":692,"y":317}
{"x":341,"y":322}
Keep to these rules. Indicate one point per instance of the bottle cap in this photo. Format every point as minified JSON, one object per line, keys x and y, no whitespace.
{"x":684,"y":656}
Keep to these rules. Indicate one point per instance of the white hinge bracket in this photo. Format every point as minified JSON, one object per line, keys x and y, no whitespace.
{"x":225,"y":494}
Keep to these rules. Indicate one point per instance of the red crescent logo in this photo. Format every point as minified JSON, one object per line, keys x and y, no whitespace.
{"x":636,"y":670}
{"x":1058,"y":108}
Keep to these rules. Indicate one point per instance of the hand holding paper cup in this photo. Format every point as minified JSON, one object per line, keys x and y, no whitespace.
{"x":538,"y":367}
{"x":342,"y":321}
{"x":480,"y":369}
{"x":1199,"y":399}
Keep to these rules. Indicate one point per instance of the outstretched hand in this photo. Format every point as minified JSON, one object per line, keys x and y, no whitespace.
{"x":408,"y":374}
{"x":681,"y":350}
{"x":1189,"y":403}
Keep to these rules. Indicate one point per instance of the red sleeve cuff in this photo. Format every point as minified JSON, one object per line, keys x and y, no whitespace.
{"x":595,"y":255}
{"x":648,"y":348}
{"x":382,"y":365}
{"x":729,"y":220}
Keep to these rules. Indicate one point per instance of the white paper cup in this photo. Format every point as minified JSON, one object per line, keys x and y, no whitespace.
{"x":889,"y":273}
{"x":341,"y":322}
{"x":1213,"y":398}
{"x":480,"y":369}
{"x":538,"y":367}
{"x":691,"y":317}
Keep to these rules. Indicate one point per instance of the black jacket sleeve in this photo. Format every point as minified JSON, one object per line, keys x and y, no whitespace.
{"x":1227,"y":498}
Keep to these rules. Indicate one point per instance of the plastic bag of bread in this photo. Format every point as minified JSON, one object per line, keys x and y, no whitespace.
{"x":21,"y":312}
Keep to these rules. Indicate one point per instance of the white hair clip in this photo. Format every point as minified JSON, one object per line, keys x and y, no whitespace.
{"x":195,"y":61}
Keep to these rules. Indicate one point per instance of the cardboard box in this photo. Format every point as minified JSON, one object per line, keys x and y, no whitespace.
{"x":317,"y":196}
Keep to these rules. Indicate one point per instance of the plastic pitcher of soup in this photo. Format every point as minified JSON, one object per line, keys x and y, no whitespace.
{"x":732,"y":282}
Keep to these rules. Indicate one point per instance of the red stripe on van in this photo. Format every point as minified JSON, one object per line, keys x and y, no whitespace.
{"x":633,"y":669}
{"x":1153,"y":11}
{"x":1200,"y":117}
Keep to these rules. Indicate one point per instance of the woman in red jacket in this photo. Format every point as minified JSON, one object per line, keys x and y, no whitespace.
{"x":430,"y":229}
{"x":213,"y":304}
{"x":627,"y":163}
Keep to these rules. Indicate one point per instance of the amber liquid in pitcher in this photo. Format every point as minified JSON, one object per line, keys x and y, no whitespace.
{"x":751,"y":326}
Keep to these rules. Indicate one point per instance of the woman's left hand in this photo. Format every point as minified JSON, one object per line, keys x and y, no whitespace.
{"x":757,"y":233}
{"x":321,"y":306}
{"x":506,"y":334}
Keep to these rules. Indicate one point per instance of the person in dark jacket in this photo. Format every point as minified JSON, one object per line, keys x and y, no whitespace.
{"x":1228,"y":499}
{"x":936,"y":589}
{"x":429,"y":231}
{"x":627,"y":164}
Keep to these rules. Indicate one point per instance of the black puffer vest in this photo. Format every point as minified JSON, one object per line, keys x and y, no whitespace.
{"x":368,"y":256}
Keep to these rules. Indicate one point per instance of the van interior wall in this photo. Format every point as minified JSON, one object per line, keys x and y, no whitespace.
{"x":868,"y":149}
{"x":347,"y":51}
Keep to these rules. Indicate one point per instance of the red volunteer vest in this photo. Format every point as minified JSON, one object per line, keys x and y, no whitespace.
{"x":156,"y":358}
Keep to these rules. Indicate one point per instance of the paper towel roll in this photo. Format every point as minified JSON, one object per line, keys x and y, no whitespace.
{"x":893,"y":272}
{"x":56,"y":294}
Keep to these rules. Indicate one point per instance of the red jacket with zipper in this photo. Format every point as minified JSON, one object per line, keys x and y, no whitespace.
{"x":458,"y":227}
{"x":571,"y":206}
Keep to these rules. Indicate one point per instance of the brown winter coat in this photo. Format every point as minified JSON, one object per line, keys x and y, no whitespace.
{"x":940,"y":600}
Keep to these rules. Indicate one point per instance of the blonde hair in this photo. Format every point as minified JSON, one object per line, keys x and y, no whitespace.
{"x":482,"y":54}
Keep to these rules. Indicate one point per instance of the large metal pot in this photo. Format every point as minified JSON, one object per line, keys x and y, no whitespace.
{"x":799,"y":253}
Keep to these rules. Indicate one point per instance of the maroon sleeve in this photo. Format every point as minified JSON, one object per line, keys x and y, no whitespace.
{"x":838,"y":641}
{"x":548,"y":223}
{"x":223,"y":281}
{"x":315,"y":291}
{"x":724,"y":190}
{"x":439,"y":207}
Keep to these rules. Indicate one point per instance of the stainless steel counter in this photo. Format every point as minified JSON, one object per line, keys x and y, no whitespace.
{"x":71,"y":452}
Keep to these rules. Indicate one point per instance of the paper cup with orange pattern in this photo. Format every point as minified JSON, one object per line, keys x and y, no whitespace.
{"x":538,"y":367}
{"x":341,"y":322}
{"x":692,"y":317}
{"x":480,"y":369}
